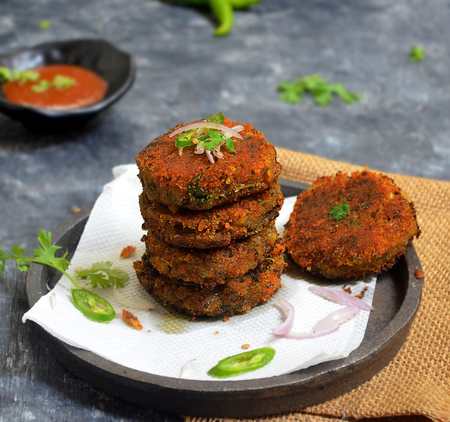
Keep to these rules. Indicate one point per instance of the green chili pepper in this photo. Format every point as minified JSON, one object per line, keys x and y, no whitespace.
{"x":93,"y":306}
{"x":223,"y":12}
{"x":243,"y":4}
{"x":242,"y":362}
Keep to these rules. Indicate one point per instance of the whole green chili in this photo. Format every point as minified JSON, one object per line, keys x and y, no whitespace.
{"x":223,"y":12}
{"x":243,"y":4}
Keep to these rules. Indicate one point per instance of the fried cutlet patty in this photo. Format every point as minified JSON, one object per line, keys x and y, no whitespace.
{"x":348,"y":226}
{"x":210,"y":266}
{"x":238,"y":296}
{"x":190,"y":181}
{"x":212,"y":228}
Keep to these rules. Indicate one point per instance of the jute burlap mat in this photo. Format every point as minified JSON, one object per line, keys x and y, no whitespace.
{"x":417,"y":381}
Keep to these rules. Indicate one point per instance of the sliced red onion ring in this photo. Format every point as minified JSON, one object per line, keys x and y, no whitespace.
{"x":327,"y":325}
{"x":210,"y":156}
{"x":238,"y":128}
{"x":341,"y":297}
{"x":186,"y":368}
{"x":289,"y":314}
{"x":200,"y":125}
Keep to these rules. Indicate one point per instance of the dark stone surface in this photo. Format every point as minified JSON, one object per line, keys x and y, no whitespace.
{"x":402,"y":124}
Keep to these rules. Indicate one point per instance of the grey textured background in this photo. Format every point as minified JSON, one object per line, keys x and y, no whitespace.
{"x":402,"y":125}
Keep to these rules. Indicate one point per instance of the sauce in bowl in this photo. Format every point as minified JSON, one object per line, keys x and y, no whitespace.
{"x":58,"y":87}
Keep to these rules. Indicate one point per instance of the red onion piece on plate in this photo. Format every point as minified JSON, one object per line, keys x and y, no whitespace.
{"x":289,"y":314}
{"x":208,"y":125}
{"x":340,"y":297}
{"x":325,"y":326}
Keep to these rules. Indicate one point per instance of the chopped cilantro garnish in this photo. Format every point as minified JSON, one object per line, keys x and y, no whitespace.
{"x":102,"y":274}
{"x":205,"y":140}
{"x":45,"y":24}
{"x":5,"y":73}
{"x":21,"y":76}
{"x":63,"y":82}
{"x":211,"y":140}
{"x":339,"y":211}
{"x":417,"y":53}
{"x":25,"y":76}
{"x":216,"y":118}
{"x":229,"y":143}
{"x":41,"y":86}
{"x":319,"y":88}
{"x":184,"y":140}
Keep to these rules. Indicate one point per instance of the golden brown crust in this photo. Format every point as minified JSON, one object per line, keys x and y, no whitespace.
{"x":211,"y":266}
{"x":212,"y":228}
{"x":377,"y":230}
{"x":238,"y":296}
{"x":191,"y":181}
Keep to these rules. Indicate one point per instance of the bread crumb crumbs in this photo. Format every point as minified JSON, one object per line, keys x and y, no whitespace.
{"x":419,"y":274}
{"x":128,"y":252}
{"x":347,"y":289}
{"x":245,"y":346}
{"x":361,"y":294}
{"x":131,"y":320}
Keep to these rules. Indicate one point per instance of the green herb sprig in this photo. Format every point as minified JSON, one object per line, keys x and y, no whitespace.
{"x":320,"y":89}
{"x":103,"y":275}
{"x":100,"y":274}
{"x":339,"y":211}
{"x":45,"y":254}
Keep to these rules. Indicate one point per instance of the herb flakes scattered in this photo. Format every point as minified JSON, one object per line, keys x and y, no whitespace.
{"x":339,"y":211}
{"x":20,"y":76}
{"x":316,"y":86}
{"x":416,"y":54}
{"x":45,"y":24}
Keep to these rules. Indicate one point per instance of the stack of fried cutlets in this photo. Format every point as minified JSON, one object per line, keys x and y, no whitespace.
{"x":211,"y":244}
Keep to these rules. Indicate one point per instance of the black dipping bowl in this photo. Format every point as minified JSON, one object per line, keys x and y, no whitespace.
{"x":116,"y":67}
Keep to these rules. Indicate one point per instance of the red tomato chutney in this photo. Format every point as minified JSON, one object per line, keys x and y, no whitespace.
{"x":84,"y":88}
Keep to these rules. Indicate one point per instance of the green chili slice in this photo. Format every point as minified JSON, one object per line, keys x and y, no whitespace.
{"x":242,"y":362}
{"x":93,"y":306}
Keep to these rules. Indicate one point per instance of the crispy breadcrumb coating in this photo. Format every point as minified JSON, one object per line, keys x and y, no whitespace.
{"x":368,"y":239}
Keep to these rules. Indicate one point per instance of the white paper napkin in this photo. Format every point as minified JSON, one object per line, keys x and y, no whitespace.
{"x":170,"y":345}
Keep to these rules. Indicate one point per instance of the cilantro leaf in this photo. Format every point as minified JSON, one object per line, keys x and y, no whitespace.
{"x":63,"y":82}
{"x":184,"y":140}
{"x":212,"y":140}
{"x":5,"y":74}
{"x":45,"y":254}
{"x":41,"y":86}
{"x":229,"y":144}
{"x":45,"y":24}
{"x":102,"y":274}
{"x":319,"y":88}
{"x":216,"y":118}
{"x":339,"y":211}
{"x":417,"y":53}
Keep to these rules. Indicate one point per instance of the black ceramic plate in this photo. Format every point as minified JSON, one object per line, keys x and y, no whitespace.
{"x":113,"y":65}
{"x":396,"y":300}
